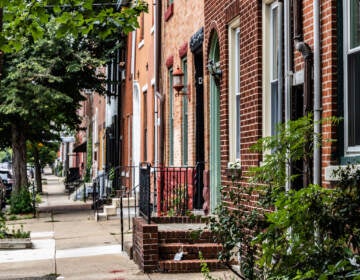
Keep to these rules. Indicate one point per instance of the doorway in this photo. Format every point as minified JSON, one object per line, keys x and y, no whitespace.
{"x":214,"y":157}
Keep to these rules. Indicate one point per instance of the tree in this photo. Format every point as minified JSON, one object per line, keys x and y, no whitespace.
{"x":40,"y":155}
{"x":42,"y":80}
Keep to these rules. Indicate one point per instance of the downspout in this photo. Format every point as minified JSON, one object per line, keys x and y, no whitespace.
{"x":305,"y":50}
{"x":306,"y":53}
{"x":288,"y":82}
{"x":317,"y":93}
{"x":280,"y":39}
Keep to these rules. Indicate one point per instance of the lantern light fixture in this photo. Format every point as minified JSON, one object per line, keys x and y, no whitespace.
{"x":214,"y":69}
{"x":178,"y":83}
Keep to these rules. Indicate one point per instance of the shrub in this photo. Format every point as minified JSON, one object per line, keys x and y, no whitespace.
{"x":21,"y":202}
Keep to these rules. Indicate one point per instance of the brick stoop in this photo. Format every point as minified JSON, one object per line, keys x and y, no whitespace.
{"x":191,"y":251}
{"x":190,"y":242}
{"x":155,"y":246}
{"x":171,"y":266}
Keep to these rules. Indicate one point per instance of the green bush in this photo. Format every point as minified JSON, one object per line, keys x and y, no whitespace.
{"x":302,"y":233}
{"x":21,"y":203}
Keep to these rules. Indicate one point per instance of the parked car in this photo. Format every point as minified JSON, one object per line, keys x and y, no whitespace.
{"x":8,"y":181}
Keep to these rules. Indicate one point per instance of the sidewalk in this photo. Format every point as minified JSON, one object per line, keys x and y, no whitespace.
{"x":74,"y":246}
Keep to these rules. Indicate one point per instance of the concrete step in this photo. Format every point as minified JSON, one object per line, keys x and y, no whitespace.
{"x":109,"y":210}
{"x":127,"y":202}
{"x":190,"y":251}
{"x":184,"y":266}
{"x":101,"y":215}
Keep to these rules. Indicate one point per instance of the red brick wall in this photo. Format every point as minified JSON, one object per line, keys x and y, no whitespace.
{"x":329,"y":66}
{"x":217,"y":15}
{"x":145,"y":245}
{"x":329,"y":74}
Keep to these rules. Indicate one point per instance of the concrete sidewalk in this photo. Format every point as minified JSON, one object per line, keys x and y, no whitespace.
{"x":72,"y":245}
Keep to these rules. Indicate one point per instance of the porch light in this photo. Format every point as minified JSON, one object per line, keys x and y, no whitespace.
{"x":178,"y":83}
{"x":214,"y":69}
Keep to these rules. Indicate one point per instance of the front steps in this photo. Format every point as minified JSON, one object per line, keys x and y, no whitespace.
{"x":111,"y":210}
{"x":189,"y":243}
{"x":170,"y":247}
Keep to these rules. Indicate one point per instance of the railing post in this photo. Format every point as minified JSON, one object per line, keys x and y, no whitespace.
{"x":145,"y":192}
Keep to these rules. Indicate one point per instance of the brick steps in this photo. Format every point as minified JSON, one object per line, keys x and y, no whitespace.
{"x":171,"y":266}
{"x":191,"y":251}
{"x":185,"y":236}
{"x":155,"y":246}
{"x":190,"y":242}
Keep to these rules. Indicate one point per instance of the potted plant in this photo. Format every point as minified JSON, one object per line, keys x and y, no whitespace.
{"x":234,"y":171}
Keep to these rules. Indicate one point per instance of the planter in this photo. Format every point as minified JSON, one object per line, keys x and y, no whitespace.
{"x":15,"y":243}
{"x":233,"y":173}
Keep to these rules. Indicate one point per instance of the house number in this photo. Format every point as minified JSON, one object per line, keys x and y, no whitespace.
{"x":200,"y":80}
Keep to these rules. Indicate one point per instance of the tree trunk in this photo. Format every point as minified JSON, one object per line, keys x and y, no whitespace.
{"x":19,"y":158}
{"x":37,"y":169}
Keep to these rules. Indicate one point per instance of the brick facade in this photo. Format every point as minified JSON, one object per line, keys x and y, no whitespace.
{"x":218,"y":15}
{"x":180,"y":21}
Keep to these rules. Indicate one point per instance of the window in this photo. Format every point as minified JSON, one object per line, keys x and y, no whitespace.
{"x":171,"y":118}
{"x":274,"y":67}
{"x":234,"y":91}
{"x":352,"y":75}
{"x":185,"y":116}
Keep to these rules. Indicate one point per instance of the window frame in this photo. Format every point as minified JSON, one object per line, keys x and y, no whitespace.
{"x":234,"y":36}
{"x":274,"y":75}
{"x":171,"y":117}
{"x":347,"y":51}
{"x":184,"y":126}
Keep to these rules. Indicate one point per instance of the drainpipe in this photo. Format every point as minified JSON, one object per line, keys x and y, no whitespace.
{"x":317,"y":93}
{"x":288,"y":82}
{"x":305,"y":50}
{"x":280,"y":40}
{"x":306,"y":53}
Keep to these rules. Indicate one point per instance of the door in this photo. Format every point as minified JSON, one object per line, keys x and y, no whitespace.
{"x":214,"y":157}
{"x":199,"y":141}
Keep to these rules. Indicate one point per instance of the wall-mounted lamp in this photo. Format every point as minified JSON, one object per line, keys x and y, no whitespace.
{"x":214,"y":70}
{"x":178,"y":83}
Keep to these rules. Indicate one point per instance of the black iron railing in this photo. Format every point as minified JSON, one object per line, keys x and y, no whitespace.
{"x":176,"y":189}
{"x":145,"y":191}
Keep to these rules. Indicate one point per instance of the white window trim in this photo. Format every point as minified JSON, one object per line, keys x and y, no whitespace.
{"x":266,"y":97}
{"x":233,"y":30}
{"x":273,"y":6}
{"x":348,"y":150}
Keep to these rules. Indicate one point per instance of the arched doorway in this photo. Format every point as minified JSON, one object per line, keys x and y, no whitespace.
{"x":215,"y":179}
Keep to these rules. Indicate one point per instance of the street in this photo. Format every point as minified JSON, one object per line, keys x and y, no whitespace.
{"x":72,"y":245}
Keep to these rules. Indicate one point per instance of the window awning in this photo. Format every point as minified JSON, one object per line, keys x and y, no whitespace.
{"x":80,"y":148}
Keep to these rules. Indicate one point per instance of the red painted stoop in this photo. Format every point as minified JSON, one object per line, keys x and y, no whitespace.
{"x":155,"y":245}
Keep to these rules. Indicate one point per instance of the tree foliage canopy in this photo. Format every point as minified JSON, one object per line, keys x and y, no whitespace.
{"x":52,"y":49}
{"x":100,"y":19}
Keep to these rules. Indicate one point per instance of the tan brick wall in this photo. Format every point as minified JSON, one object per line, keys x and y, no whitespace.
{"x":187,"y":18}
